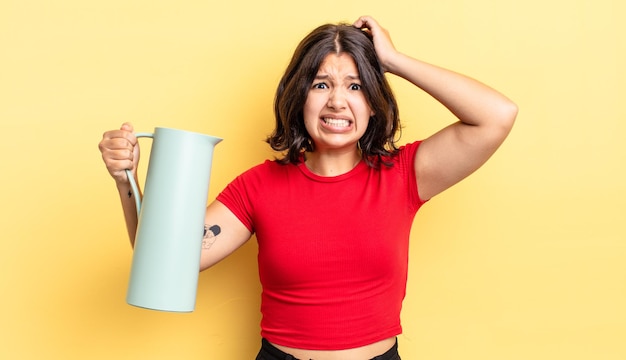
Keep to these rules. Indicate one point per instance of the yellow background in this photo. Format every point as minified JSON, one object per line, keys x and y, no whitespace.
{"x":524,"y":260}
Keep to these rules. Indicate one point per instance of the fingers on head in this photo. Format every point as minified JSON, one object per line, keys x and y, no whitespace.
{"x":363,"y":21}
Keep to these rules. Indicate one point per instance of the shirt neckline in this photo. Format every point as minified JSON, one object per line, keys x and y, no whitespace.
{"x":360,"y":166}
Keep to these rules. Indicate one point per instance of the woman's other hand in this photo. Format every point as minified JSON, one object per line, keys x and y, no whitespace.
{"x":120,"y":152}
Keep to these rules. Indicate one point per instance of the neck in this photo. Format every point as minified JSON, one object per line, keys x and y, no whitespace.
{"x":332,"y":164}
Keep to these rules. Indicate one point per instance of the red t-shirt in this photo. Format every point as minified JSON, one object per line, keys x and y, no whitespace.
{"x":333,"y":251}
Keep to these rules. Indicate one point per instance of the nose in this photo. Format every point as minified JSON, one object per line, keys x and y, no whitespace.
{"x":337,"y":99}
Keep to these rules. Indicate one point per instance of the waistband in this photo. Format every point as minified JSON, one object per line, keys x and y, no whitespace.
{"x":271,"y":352}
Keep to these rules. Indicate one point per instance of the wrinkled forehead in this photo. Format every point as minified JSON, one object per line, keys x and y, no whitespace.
{"x":340,"y":65}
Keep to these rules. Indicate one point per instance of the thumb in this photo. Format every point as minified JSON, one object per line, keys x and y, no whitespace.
{"x":127,"y":127}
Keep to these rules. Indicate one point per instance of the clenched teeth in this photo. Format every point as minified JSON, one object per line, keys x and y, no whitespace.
{"x":337,"y":122}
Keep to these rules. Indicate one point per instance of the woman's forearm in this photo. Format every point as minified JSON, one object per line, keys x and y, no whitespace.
{"x":130,"y":210}
{"x":471,"y":101}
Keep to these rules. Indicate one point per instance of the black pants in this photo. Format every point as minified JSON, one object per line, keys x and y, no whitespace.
{"x":270,"y":352}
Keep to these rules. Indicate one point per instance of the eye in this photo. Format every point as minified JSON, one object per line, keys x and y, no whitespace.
{"x":355,"y":87}
{"x":320,"y":86}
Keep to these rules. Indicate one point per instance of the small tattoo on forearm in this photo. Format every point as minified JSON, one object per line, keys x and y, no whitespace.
{"x":130,"y":194}
{"x":210,"y":235}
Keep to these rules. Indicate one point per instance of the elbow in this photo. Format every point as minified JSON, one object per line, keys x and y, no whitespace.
{"x":508,"y":114}
{"x":504,"y":118}
{"x":502,"y":122}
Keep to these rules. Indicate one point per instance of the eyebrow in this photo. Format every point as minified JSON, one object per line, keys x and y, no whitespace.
{"x":326,"y":76}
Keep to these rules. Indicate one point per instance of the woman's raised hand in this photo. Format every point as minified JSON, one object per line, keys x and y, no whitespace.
{"x":385,"y":50}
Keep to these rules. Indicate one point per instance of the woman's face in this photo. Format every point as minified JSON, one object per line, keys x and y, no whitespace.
{"x":336,"y":112}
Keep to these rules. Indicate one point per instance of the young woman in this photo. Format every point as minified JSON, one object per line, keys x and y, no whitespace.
{"x":332,"y":215}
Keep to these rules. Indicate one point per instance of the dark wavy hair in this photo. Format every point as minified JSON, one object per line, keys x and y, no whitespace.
{"x":290,"y":135}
